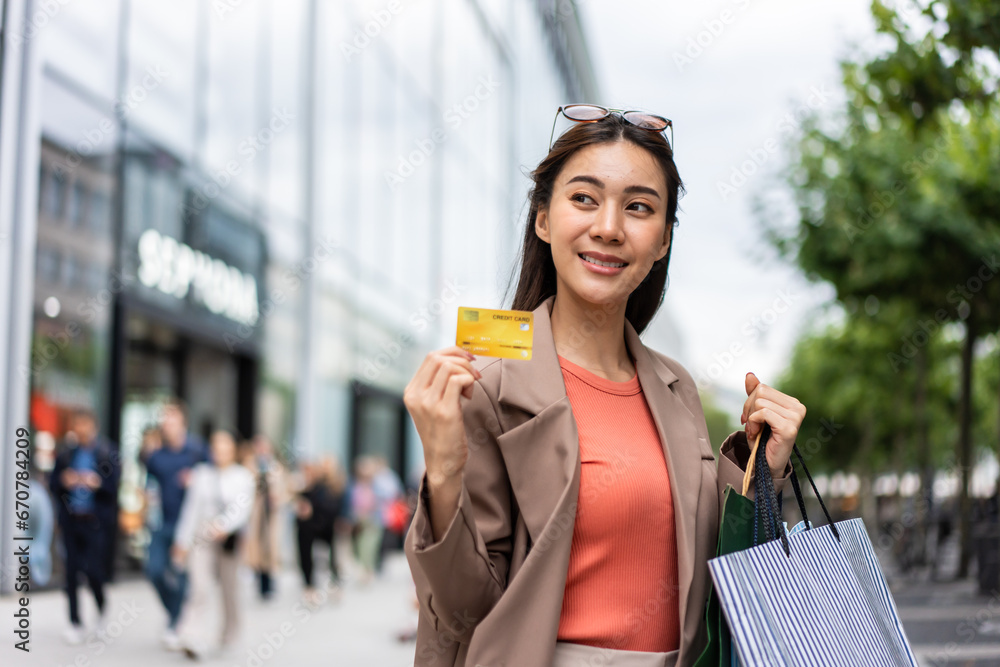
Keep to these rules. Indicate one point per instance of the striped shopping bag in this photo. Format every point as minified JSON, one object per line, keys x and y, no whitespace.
{"x":813,"y":598}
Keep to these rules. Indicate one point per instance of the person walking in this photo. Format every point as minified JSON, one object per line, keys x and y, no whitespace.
{"x":263,"y":535}
{"x":319,"y":506}
{"x":571,"y":501}
{"x":169,"y":461}
{"x":391,"y":501}
{"x":366,"y":516}
{"x":84,"y":483}
{"x":206,"y":544}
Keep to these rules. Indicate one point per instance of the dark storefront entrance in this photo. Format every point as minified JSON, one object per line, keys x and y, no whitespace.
{"x":186,"y":323}
{"x":159,"y":362}
{"x":378,"y":426}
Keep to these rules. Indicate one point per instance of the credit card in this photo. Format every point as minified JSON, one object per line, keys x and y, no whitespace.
{"x":496,"y":333}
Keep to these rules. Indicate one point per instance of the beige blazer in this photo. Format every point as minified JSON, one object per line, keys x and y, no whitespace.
{"x":491,"y":589}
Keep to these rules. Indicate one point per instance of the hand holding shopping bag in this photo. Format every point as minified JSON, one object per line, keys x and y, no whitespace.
{"x":813,"y":598}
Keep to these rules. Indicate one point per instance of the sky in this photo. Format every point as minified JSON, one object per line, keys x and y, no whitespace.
{"x":734,"y":77}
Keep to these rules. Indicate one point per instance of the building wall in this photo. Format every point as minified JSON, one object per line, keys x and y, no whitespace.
{"x":374,"y":151}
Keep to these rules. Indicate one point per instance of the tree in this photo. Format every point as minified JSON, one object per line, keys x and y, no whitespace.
{"x":899,"y":202}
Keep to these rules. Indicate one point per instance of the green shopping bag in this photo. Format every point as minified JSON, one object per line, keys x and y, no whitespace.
{"x":735,"y":534}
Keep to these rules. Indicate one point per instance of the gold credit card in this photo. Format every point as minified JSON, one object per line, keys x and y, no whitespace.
{"x":496,"y":333}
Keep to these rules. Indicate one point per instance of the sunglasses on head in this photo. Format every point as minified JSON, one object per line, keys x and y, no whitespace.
{"x":590,"y":113}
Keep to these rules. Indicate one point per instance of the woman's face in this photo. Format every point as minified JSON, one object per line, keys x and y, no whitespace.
{"x":608,"y":203}
{"x":223,"y":449}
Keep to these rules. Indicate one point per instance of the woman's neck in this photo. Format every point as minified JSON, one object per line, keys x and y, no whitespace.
{"x":593,"y":337}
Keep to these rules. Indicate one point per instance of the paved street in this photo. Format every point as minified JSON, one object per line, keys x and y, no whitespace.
{"x":357,"y":631}
{"x":948,"y":623}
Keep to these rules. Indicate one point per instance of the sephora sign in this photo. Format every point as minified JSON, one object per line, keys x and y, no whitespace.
{"x":176,"y":269}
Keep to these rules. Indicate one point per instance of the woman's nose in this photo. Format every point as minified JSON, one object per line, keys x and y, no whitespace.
{"x":608,"y":225}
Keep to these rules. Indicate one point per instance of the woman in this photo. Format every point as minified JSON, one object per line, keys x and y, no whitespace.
{"x":216,"y":507}
{"x":318,"y":507}
{"x":571,"y":502}
{"x":263,"y":543}
{"x":366,"y":517}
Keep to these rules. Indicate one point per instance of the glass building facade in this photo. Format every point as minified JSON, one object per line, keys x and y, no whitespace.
{"x":269,"y":209}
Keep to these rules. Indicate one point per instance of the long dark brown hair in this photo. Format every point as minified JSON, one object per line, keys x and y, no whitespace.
{"x":537,"y":280}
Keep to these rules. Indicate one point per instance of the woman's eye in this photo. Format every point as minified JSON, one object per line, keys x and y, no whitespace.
{"x":647,"y":207}
{"x":580,"y":197}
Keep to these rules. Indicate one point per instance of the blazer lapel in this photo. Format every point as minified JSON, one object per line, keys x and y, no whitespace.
{"x":542,"y":454}
{"x":679,"y":437}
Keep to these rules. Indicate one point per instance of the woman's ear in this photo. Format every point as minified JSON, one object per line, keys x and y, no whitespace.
{"x":542,"y":225}
{"x":668,"y":236}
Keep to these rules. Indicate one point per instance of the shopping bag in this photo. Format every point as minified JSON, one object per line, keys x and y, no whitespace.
{"x":813,"y":598}
{"x":735,"y":534}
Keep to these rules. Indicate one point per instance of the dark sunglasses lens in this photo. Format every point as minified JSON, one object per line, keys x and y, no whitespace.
{"x":646,"y":121}
{"x":584,"y":112}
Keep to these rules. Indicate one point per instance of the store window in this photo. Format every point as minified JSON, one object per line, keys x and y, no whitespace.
{"x":54,"y":191}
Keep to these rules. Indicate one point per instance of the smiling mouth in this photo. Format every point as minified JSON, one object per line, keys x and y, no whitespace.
{"x":616,"y":265}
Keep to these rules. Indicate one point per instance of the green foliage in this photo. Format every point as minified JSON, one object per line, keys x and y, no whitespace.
{"x":720,"y":423}
{"x":898,"y":207}
{"x":857,"y":378}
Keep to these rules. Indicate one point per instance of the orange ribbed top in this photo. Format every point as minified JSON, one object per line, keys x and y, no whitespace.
{"x":621,"y":588}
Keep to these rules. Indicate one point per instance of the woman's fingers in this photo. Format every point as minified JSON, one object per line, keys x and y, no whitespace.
{"x":782,"y":410}
{"x":458,"y":383}
{"x":762,"y":391}
{"x":783,"y":413}
{"x":428,"y":367}
{"x":426,"y":384}
{"x":447,"y":369}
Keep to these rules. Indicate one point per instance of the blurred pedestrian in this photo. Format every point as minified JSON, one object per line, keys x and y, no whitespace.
{"x":84,"y":482}
{"x":319,"y":505}
{"x":216,"y":508}
{"x":366,"y":517}
{"x":152,"y":507}
{"x":393,"y":511}
{"x":42,"y":520}
{"x":263,"y":535}
{"x":169,"y":463}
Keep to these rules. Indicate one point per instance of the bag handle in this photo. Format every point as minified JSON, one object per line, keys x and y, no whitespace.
{"x":766,"y":505}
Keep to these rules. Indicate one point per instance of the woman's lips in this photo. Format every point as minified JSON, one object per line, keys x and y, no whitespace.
{"x":600,"y":268}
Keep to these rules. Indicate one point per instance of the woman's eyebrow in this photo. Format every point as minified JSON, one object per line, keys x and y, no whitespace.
{"x":599,"y":183}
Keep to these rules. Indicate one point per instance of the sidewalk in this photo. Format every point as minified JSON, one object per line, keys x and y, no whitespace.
{"x":947,"y":622}
{"x":948,"y":625}
{"x":357,"y":631}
